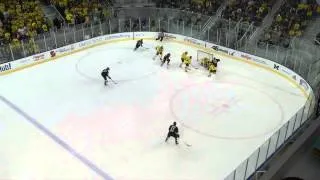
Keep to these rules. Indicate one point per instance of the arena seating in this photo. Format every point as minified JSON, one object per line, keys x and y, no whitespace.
{"x":82,"y":11}
{"x":20,"y":20}
{"x":208,"y":7}
{"x":291,"y":20}
{"x":247,"y":10}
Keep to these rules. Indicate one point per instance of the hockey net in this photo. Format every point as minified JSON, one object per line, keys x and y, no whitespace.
{"x":203,"y":54}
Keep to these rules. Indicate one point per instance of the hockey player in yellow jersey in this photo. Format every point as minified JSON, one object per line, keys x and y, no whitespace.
{"x":159,"y":52}
{"x":187,"y":62}
{"x":183,"y":57}
{"x":205,"y":62}
{"x":212,"y":69}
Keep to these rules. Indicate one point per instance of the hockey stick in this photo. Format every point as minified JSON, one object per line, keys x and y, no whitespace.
{"x":113,"y":81}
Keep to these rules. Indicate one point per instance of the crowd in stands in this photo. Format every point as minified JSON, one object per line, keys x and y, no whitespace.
{"x":291,"y":20}
{"x":21,"y":20}
{"x":247,"y":10}
{"x":208,"y":7}
{"x":82,"y":11}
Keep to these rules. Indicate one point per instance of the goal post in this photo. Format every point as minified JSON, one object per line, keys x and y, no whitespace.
{"x":203,"y":54}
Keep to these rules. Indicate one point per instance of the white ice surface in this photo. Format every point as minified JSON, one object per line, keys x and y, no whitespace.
{"x":121,"y":128}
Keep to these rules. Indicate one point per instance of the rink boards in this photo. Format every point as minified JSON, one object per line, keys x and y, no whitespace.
{"x":271,"y":66}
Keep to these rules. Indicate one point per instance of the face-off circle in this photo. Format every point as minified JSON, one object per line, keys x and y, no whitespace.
{"x":226,"y":110}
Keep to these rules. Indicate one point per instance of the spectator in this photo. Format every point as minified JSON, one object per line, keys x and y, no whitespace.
{"x":82,"y":11}
{"x":20,"y":19}
{"x":247,"y":10}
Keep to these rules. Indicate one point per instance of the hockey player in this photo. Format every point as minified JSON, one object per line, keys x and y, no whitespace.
{"x":160,"y":36}
{"x":173,"y":132}
{"x":105,"y":75}
{"x":212,"y":69}
{"x":215,"y":61}
{"x":205,"y":62}
{"x":187,"y":62}
{"x":213,"y":66}
{"x":166,"y":58}
{"x":183,"y":57}
{"x":159,"y":52}
{"x":138,"y":44}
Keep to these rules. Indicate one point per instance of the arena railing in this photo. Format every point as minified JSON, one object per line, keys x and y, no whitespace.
{"x":219,"y":34}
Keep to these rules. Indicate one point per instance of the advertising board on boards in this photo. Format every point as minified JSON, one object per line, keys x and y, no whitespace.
{"x":257,"y":60}
{"x":295,"y":77}
{"x":5,"y":67}
{"x":286,"y":71}
{"x":117,"y":36}
{"x":64,"y":49}
{"x":84,"y":43}
{"x":304,"y":84}
{"x":221,"y":49}
{"x":169,"y":36}
{"x":192,"y":41}
{"x":38,"y":57}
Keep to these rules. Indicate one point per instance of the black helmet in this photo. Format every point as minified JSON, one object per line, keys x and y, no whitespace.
{"x":174,"y":123}
{"x":108,"y":68}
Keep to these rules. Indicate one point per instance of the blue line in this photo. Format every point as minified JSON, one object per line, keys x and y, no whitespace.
{"x":59,"y":141}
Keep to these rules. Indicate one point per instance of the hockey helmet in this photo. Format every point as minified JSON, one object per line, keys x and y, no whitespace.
{"x":108,"y":68}
{"x":174,"y":123}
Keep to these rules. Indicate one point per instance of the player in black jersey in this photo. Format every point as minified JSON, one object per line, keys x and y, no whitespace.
{"x":138,"y":44}
{"x":173,"y":132}
{"x":166,"y":58}
{"x":105,"y":75}
{"x":160,"y":35}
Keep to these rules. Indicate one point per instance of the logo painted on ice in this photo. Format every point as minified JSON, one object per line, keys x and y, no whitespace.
{"x":5,"y":67}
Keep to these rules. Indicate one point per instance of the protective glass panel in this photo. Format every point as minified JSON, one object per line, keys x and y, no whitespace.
{"x":290,"y":127}
{"x":282,"y":134}
{"x":251,"y":168}
{"x":273,"y":143}
{"x":298,"y":120}
{"x":263,"y":153}
{"x":241,"y":171}
{"x":230,"y":176}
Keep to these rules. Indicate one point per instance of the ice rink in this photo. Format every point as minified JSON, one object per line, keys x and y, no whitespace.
{"x":58,"y":121}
